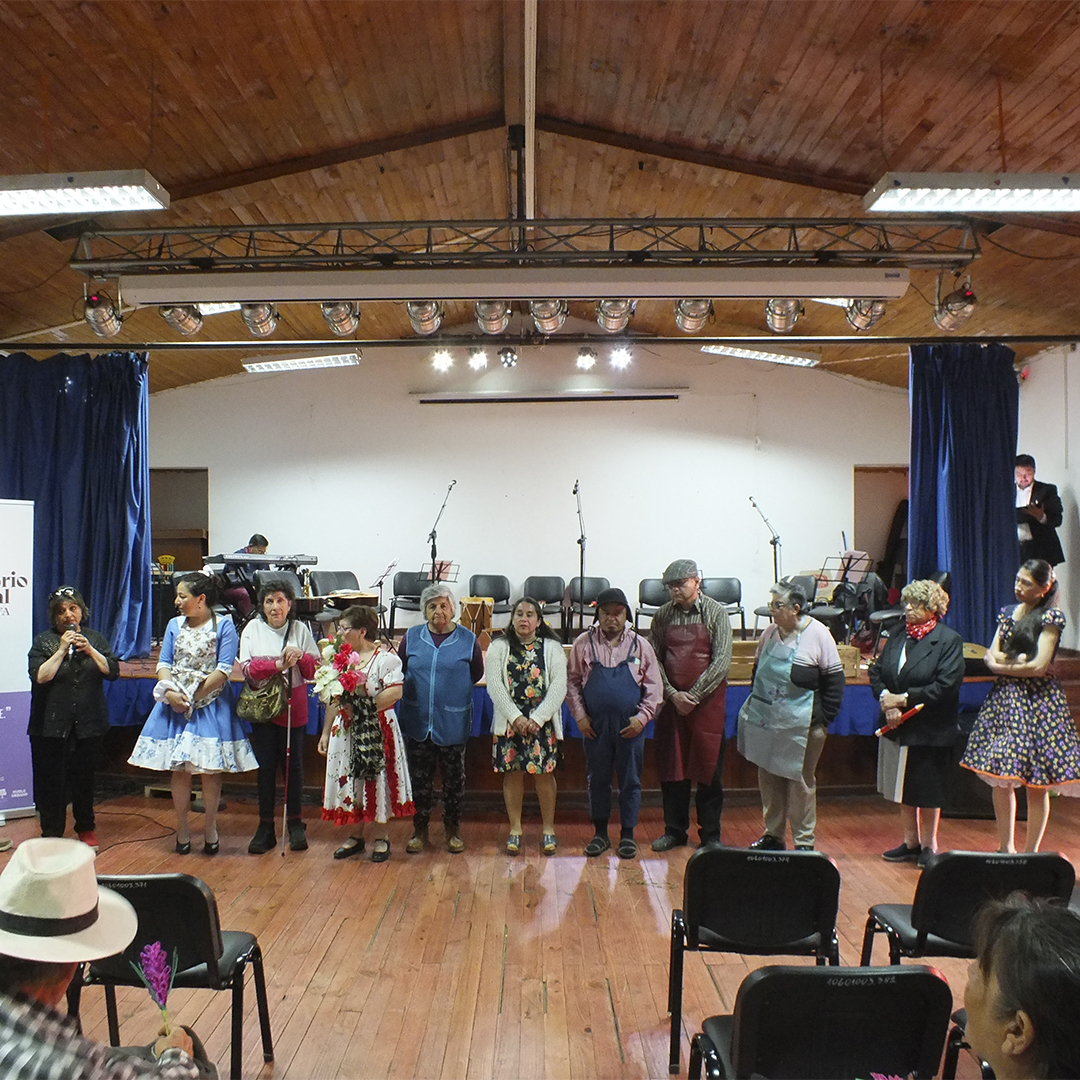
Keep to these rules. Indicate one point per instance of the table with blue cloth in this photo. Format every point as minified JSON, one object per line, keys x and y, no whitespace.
{"x":130,"y":702}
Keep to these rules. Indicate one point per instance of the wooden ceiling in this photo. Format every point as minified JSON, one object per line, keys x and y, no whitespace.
{"x":365,"y":110}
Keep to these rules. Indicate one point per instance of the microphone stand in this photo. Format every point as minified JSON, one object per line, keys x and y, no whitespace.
{"x":431,"y":536}
{"x":581,"y":561}
{"x":775,"y":541}
{"x":378,"y":583}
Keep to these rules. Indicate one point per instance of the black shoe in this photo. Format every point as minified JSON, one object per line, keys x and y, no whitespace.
{"x":264,"y":840}
{"x":597,"y":846}
{"x":925,"y":856}
{"x":804,"y":847}
{"x":768,"y":843}
{"x":380,"y":851}
{"x":903,"y":853}
{"x":184,"y":848}
{"x":353,"y":846}
{"x":297,"y":836}
{"x":210,"y":849}
{"x":667,"y":842}
{"x":627,"y":848}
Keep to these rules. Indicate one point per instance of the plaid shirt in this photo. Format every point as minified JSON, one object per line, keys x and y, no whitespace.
{"x":38,"y":1043}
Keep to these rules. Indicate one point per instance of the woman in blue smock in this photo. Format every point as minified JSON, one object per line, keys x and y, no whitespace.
{"x":797,"y":690}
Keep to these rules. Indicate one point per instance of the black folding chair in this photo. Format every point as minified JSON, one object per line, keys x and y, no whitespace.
{"x":180,"y":912}
{"x":952,"y":888}
{"x":497,"y":587}
{"x":837,"y":1022}
{"x":407,"y":589}
{"x":651,"y":597}
{"x":324,"y":582}
{"x":549,"y":591}
{"x":756,"y":903}
{"x":580,"y":596}
{"x":727,"y":591}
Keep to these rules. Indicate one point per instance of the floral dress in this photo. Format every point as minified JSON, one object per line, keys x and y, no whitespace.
{"x":526,"y":680}
{"x":347,"y":799}
{"x":1025,"y":734}
{"x":207,"y":738}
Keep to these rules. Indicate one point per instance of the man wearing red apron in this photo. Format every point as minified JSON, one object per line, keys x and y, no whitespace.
{"x":692,"y":638}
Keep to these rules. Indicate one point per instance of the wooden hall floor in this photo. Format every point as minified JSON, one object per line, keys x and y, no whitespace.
{"x":481,"y":965}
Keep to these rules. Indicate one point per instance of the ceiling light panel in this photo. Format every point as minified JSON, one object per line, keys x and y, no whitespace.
{"x":975,"y":192}
{"x":81,"y":193}
{"x":792,"y":358}
{"x":301,"y":363}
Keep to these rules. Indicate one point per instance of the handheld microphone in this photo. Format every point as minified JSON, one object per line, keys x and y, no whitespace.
{"x":574,"y":492}
{"x":71,"y":646}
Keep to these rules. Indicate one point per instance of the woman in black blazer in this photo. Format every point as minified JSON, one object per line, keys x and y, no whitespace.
{"x":924,"y":666}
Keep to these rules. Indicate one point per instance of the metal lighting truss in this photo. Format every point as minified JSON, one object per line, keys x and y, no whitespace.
{"x":546,"y":251}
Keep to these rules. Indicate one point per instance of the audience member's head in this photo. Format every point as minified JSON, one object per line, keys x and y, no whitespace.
{"x":1023,"y":991}
{"x":1024,"y":470}
{"x":54,"y":916}
{"x":257,"y":545}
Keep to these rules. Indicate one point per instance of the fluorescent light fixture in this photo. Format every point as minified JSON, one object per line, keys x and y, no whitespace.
{"x":302,"y":363}
{"x":569,"y":282}
{"x":549,"y":397}
{"x":975,"y":192}
{"x":793,"y":358}
{"x":81,"y":193}
{"x":218,"y":309}
{"x":441,"y":360}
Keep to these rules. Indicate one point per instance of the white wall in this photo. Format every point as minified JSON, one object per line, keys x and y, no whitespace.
{"x":347,"y":465}
{"x":1052,"y":436}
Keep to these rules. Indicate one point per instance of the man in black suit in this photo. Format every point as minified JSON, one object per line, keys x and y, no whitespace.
{"x":1038,"y":515}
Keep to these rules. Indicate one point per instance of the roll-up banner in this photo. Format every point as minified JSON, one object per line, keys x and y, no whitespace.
{"x":16,"y":634}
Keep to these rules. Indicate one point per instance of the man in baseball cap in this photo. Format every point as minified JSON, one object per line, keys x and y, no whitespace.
{"x":54,"y":917}
{"x":613,"y":690}
{"x":692,"y":638}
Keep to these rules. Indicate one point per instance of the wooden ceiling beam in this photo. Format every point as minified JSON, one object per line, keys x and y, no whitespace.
{"x":710,"y":158}
{"x":338,"y":156}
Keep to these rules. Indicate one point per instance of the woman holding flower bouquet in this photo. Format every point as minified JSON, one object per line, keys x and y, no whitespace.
{"x":526,"y":679}
{"x":367,"y":777}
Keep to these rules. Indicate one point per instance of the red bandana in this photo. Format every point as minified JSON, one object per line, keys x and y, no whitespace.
{"x":920,"y":630}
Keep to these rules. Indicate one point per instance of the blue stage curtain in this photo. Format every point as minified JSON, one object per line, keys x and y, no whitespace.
{"x":74,"y":439}
{"x":964,"y":406}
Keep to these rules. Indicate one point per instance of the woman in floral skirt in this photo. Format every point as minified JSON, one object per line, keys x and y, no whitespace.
{"x":1025,"y":735}
{"x":526,"y":679}
{"x":367,"y":775}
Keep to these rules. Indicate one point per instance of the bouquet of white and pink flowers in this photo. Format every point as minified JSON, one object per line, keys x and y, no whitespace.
{"x":340,"y":676}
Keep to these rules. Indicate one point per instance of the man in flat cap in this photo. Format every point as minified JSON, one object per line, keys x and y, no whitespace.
{"x":613,"y":690}
{"x":692,"y":638}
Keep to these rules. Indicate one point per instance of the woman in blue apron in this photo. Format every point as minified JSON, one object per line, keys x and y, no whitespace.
{"x":798,"y":688}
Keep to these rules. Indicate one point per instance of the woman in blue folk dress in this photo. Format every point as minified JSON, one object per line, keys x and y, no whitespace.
{"x":192,"y":728}
{"x":1025,"y":735}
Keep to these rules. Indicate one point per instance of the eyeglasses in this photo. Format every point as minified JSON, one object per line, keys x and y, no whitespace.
{"x":64,"y":592}
{"x":777,"y":605}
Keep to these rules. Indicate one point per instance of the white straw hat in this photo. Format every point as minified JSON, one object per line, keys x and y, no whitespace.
{"x":52,"y":909}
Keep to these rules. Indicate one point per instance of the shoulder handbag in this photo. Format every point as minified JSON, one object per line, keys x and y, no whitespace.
{"x":259,"y":705}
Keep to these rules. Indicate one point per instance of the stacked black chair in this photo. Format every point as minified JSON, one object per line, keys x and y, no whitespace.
{"x":727,"y":591}
{"x":580,"y":597}
{"x":952,"y":888}
{"x":652,"y":594}
{"x":810,"y":1022}
{"x":263,"y":576}
{"x":324,"y":582}
{"x":752,"y":902}
{"x":806,"y":582}
{"x":180,"y":912}
{"x":497,"y":587}
{"x":407,"y":589}
{"x":549,"y":591}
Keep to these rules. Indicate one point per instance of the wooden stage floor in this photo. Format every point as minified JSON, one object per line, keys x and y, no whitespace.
{"x":480,"y":965}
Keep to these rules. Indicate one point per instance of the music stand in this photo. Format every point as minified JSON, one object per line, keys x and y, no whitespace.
{"x":378,"y":583}
{"x":444,"y":570}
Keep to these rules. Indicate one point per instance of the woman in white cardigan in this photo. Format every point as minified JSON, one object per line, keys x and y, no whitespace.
{"x":526,"y":679}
